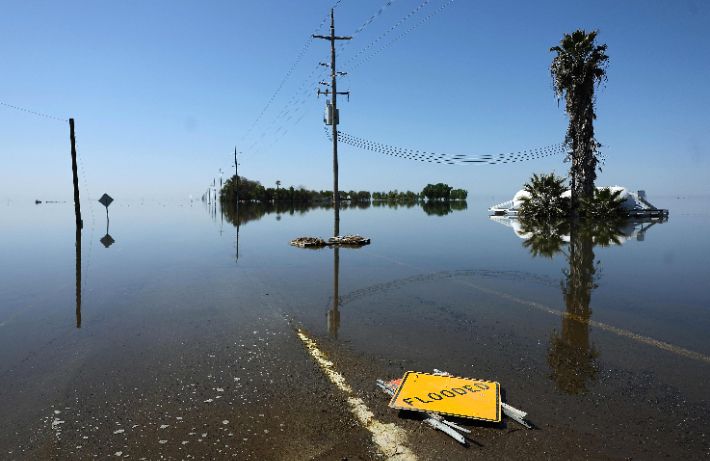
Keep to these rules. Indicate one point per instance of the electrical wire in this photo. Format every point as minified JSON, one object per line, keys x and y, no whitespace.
{"x":288,"y":74}
{"x":345,"y":43}
{"x":296,"y":106}
{"x":458,"y":159}
{"x":383,"y":35}
{"x":402,"y":35}
{"x":35,"y":113}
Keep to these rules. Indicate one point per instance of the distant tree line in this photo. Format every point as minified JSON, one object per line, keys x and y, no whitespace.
{"x":254,"y":191}
{"x":395,"y":195}
{"x":439,"y":191}
{"x":443,"y":191}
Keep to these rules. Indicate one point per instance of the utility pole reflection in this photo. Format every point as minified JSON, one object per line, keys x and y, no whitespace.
{"x":333,"y":316}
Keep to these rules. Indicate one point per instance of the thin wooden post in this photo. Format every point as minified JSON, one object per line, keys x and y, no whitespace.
{"x":77,"y":205}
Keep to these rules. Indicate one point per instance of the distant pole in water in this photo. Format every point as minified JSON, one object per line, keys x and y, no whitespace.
{"x":334,"y":118}
{"x":77,"y":205}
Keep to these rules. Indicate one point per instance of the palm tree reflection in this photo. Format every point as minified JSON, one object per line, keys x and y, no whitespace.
{"x":571,"y":356}
{"x":543,"y":238}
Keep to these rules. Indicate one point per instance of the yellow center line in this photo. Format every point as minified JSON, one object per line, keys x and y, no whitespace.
{"x":389,"y":438}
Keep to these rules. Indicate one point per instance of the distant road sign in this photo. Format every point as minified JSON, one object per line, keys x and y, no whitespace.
{"x":465,"y":398}
{"x":107,"y":240}
{"x":105,"y":200}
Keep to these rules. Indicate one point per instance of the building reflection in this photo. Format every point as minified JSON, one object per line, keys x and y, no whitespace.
{"x":571,"y":355}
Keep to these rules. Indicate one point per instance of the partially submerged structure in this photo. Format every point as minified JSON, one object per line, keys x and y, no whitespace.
{"x":635,"y":204}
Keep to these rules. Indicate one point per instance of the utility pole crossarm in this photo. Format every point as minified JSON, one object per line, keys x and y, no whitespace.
{"x":328,"y":37}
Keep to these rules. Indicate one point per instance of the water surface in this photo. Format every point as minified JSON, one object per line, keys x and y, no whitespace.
{"x":604,"y":329}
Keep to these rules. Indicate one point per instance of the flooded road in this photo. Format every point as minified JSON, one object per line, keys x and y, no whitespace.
{"x":173,"y":332}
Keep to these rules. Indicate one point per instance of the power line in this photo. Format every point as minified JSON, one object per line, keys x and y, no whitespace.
{"x":360,"y":29}
{"x":288,"y":74}
{"x":390,"y":30}
{"x":35,"y":113}
{"x":284,"y":132}
{"x":303,"y":97}
{"x":299,"y":102}
{"x":458,"y":159}
{"x":402,"y":35}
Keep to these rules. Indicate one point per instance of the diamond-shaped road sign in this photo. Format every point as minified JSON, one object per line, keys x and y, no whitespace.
{"x":105,"y":200}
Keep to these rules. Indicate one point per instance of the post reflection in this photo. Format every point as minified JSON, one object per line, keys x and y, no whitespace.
{"x":571,"y":355}
{"x":107,"y":240}
{"x":333,"y":315}
{"x":78,"y":276}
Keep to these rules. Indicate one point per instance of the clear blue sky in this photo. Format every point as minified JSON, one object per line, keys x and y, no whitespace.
{"x":162,"y":91}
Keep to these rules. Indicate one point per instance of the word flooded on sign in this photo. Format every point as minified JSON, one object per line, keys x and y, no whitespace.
{"x":447,"y":395}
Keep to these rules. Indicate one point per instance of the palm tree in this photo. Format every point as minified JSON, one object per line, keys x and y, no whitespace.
{"x":578,"y":68}
{"x":604,"y":204}
{"x":544,"y":198}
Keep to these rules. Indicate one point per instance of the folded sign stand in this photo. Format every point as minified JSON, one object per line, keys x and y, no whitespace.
{"x":447,"y":395}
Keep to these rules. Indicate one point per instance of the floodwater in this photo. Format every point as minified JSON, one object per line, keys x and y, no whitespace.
{"x":169,"y":330}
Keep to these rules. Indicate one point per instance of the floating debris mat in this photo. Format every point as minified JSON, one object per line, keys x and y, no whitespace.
{"x":304,"y":242}
{"x":348,"y":240}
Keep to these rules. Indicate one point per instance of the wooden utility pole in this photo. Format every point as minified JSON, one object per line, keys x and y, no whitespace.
{"x":333,"y":91}
{"x":77,"y":205}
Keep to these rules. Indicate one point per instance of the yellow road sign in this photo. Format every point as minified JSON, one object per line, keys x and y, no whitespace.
{"x":465,"y":398}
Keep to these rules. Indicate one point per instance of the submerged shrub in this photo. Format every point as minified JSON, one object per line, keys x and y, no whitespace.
{"x":544,"y":200}
{"x":605,"y":204}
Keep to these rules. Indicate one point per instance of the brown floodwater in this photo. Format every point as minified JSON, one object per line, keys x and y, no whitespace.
{"x":170,"y":330}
